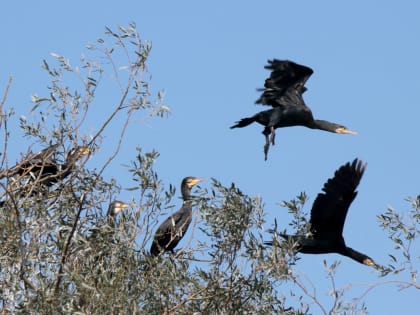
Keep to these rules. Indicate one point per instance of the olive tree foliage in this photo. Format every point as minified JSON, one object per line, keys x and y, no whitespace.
{"x":60,"y":255}
{"x":403,"y":230}
{"x":45,"y":231}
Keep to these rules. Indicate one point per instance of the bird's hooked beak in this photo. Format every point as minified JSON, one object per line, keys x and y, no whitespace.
{"x":84,"y":151}
{"x":194,"y":181}
{"x":344,"y":130}
{"x":369,"y":262}
{"x":120,"y":206}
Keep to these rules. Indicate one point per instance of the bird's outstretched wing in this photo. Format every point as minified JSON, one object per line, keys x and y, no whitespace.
{"x":330,"y":207}
{"x":285,"y":85}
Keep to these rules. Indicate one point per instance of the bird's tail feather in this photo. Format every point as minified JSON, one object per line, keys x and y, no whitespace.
{"x":243,"y":122}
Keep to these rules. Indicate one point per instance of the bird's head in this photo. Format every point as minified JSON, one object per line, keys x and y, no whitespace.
{"x":187,"y":184}
{"x":76,"y":153}
{"x":116,"y":207}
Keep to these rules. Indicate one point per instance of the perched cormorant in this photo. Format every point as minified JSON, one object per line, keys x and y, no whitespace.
{"x":42,"y":166}
{"x":283,"y":91}
{"x":329,"y":213}
{"x":114,"y":208}
{"x":171,"y":231}
{"x":94,"y":254}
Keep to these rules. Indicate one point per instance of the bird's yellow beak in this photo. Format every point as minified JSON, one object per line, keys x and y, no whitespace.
{"x":120,"y":207}
{"x":195,"y":181}
{"x":124,"y":205}
{"x":343,"y":130}
{"x":84,"y":151}
{"x":369,"y":262}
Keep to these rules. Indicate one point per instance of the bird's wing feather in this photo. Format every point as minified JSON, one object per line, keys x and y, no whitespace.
{"x":330,"y":207}
{"x":173,"y":220}
{"x":43,"y":156}
{"x":285,"y":85}
{"x":33,"y":161}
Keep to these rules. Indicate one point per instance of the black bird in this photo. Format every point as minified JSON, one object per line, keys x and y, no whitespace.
{"x":107,"y":230}
{"x":172,"y":230}
{"x":329,"y":213}
{"x":42,"y":166}
{"x":283,"y":91}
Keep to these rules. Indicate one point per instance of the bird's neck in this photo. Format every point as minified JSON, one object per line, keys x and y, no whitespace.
{"x":322,"y":125}
{"x":111,"y":220}
{"x":188,"y":202}
{"x":354,"y":254}
{"x":70,"y":160}
{"x":186,"y":193}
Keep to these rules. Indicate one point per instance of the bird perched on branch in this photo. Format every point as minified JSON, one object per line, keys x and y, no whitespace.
{"x":41,"y":166}
{"x":328,"y":215}
{"x":96,"y":255}
{"x":283,"y":91}
{"x":172,"y":230}
{"x":114,"y":208}
{"x":107,"y":229}
{"x":98,"y":238}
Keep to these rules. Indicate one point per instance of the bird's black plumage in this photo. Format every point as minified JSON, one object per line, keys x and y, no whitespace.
{"x":33,"y":162}
{"x":172,"y":230}
{"x":283,"y":91}
{"x":41,"y":166}
{"x":328,"y":215}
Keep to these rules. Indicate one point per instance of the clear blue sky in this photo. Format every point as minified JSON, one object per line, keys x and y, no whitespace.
{"x":209,"y":59}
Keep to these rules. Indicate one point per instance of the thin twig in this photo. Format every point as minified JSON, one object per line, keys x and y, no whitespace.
{"x":68,"y":242}
{"x":6,"y":92}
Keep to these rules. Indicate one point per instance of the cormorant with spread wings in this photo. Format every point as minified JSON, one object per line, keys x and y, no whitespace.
{"x":283,"y":91}
{"x":328,"y":215}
